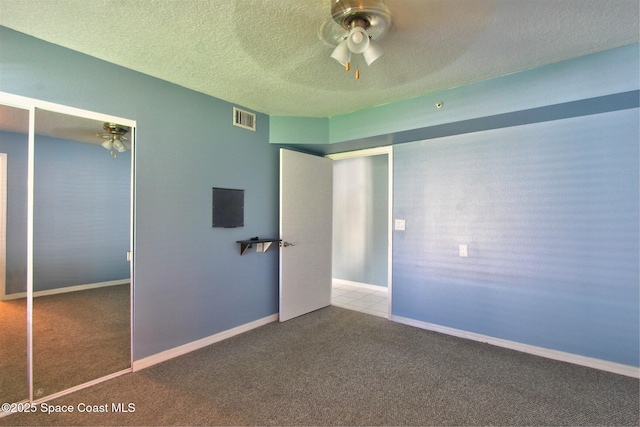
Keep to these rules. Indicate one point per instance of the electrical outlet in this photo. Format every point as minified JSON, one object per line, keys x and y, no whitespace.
{"x":259,"y":247}
{"x":464,"y":251}
{"x":400,"y":224}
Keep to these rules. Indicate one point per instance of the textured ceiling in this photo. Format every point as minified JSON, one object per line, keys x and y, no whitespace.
{"x":272,"y":56}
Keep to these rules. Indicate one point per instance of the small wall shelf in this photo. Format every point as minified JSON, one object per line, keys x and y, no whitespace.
{"x":247,"y":244}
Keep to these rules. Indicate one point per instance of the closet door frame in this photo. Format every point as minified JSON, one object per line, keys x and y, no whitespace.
{"x":32,"y":105}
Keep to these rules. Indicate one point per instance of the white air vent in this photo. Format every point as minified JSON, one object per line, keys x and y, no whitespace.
{"x":244,"y":119}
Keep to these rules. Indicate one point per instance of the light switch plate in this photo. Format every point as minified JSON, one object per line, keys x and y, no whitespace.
{"x":259,"y":247}
{"x":400,"y":224}
{"x":464,"y":251}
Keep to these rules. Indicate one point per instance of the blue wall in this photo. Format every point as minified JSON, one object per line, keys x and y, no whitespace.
{"x":550,"y":215}
{"x":190,"y":281}
{"x":81,"y":213}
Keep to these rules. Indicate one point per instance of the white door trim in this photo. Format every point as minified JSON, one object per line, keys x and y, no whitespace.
{"x":388,"y":151}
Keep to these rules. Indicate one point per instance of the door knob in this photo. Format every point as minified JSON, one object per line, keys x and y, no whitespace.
{"x":285,"y":244}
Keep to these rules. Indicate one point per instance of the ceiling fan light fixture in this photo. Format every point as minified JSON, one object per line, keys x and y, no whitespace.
{"x":358,"y":40}
{"x":115,"y":138}
{"x":341,"y":53}
{"x":108,"y":144}
{"x":118,"y":145}
{"x":364,"y":21}
{"x":373,"y":52}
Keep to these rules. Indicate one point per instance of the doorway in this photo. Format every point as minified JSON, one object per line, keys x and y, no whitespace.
{"x":362,"y":231}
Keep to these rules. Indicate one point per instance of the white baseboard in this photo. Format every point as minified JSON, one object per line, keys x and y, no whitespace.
{"x":81,"y":386}
{"x":66,"y":289}
{"x":195,"y":345}
{"x":360,"y":285}
{"x":604,"y":365}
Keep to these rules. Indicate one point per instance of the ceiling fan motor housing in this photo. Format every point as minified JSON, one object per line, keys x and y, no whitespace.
{"x":371,"y":15}
{"x":115,"y":129}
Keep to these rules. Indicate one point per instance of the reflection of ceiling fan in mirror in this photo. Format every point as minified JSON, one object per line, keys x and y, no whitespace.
{"x":116,"y":141}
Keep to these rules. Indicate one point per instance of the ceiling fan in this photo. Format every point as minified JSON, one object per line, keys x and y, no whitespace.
{"x":116,"y":141}
{"x":361,"y":24}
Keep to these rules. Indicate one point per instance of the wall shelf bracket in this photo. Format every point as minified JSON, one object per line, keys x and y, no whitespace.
{"x":247,"y":244}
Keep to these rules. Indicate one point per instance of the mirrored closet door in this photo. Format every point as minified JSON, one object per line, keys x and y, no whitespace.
{"x":81,"y":229}
{"x":76,"y":245}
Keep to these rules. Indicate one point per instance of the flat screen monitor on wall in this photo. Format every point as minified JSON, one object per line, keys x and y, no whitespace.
{"x":228,"y":207}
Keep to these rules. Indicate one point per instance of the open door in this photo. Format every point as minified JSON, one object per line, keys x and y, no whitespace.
{"x":306,"y":198}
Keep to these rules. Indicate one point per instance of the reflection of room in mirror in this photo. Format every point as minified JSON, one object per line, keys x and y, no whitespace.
{"x":79,"y":337}
{"x":14,"y":125}
{"x":13,"y":351}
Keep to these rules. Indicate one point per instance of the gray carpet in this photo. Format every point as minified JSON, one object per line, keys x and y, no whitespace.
{"x":340,"y":367}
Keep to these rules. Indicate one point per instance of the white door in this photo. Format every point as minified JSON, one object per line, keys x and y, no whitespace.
{"x":306,"y":197}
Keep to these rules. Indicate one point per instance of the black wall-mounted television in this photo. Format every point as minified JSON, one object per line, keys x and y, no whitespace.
{"x":228,"y":207}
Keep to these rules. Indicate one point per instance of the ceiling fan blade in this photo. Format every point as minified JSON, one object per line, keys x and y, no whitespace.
{"x":73,"y":134}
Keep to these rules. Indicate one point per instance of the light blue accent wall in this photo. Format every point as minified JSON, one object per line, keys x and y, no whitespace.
{"x":298,"y":130}
{"x":591,"y":76}
{"x":550,"y":215}
{"x":190,"y":280}
{"x":360,"y":219}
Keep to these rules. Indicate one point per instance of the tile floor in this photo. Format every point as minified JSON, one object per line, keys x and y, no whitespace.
{"x":364,"y":299}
